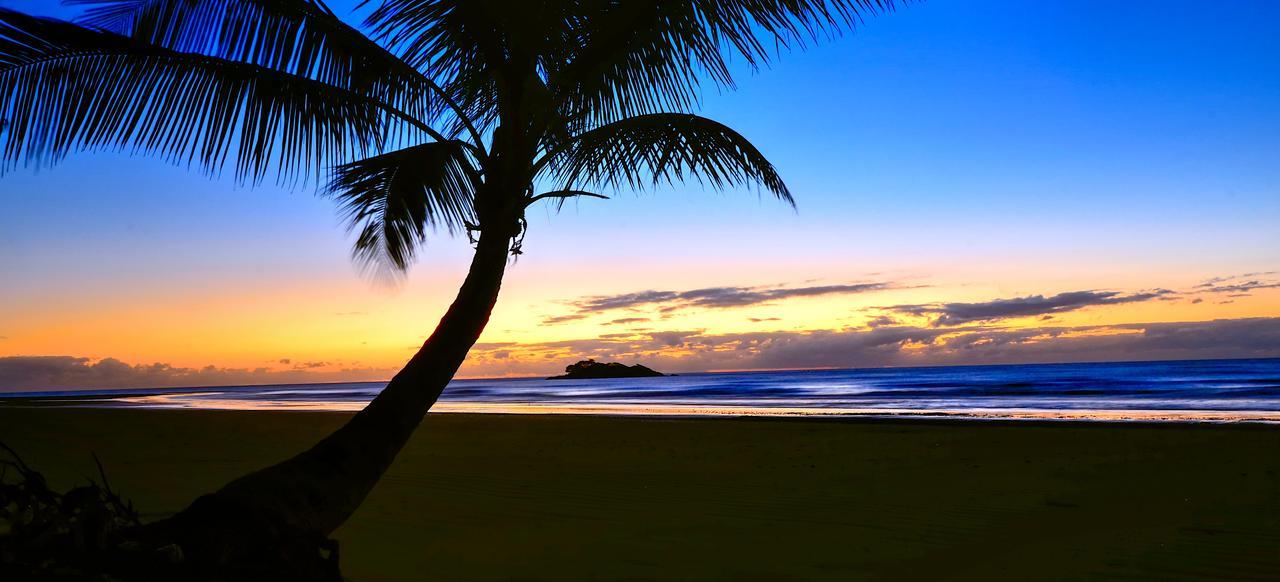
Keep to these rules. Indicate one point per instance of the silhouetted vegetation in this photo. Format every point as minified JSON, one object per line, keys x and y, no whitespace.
{"x":587,"y":369}
{"x":456,"y":116}
{"x":91,"y":533}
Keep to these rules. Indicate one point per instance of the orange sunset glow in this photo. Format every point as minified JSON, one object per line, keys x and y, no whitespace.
{"x":357,"y":330}
{"x":402,"y":290}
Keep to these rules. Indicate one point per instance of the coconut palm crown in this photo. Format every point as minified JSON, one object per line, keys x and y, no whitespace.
{"x":449,"y":115}
{"x":448,"y":108}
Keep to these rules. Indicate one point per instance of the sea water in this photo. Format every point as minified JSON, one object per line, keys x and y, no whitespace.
{"x":1204,"y":390}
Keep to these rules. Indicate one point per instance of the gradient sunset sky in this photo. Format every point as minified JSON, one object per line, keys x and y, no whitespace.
{"x":977,"y":182}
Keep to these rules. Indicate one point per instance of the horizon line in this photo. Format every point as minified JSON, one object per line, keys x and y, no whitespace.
{"x":115,"y":391}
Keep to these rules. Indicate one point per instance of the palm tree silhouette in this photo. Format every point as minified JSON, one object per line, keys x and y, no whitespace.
{"x":447,"y":118}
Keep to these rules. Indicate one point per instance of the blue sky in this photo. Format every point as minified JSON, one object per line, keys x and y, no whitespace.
{"x":1093,"y":125}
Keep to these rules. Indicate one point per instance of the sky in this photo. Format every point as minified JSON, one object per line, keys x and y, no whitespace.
{"x":976,"y":182}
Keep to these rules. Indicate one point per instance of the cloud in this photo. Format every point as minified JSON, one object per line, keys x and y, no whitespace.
{"x":900,"y":345}
{"x":881,"y":321}
{"x":674,"y":338}
{"x":1242,"y":288}
{"x":626,"y":300}
{"x":627,"y":320}
{"x":711,"y":297}
{"x":559,"y":319}
{"x":950,"y":314}
{"x":1241,"y":285}
{"x":1216,"y":280}
{"x":22,"y":373}
{"x":763,"y":319}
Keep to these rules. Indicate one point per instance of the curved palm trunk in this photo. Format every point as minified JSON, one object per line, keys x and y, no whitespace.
{"x":313,"y":493}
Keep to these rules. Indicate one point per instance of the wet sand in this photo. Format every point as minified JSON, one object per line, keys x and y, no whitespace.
{"x":570,"y":497}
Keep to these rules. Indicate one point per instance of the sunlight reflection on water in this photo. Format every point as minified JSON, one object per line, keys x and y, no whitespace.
{"x":177,"y":401}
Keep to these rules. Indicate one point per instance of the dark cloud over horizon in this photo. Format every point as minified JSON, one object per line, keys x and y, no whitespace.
{"x":32,"y":373}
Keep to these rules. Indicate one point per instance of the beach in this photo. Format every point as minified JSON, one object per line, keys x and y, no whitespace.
{"x":491,"y":496}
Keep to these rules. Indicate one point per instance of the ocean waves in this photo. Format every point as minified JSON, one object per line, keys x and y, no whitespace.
{"x":1218,"y":386}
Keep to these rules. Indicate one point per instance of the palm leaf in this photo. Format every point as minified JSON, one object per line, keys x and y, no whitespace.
{"x":462,"y":45}
{"x":648,"y":150}
{"x":630,"y":58}
{"x":393,"y":199}
{"x":301,"y":37}
{"x":65,"y":88}
{"x":600,"y":60}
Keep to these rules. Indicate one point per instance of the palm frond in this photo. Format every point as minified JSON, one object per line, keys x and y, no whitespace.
{"x":648,"y":150}
{"x":562,"y":196}
{"x":300,"y":37}
{"x":630,"y":58}
{"x":458,"y":43}
{"x":393,"y":199}
{"x":65,"y":88}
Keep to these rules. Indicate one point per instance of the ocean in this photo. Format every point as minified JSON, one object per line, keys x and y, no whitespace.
{"x":1201,"y":390}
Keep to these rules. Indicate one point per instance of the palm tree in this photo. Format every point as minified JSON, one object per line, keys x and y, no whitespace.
{"x":449,"y":118}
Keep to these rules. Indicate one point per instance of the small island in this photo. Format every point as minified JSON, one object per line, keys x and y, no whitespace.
{"x":591,"y":369}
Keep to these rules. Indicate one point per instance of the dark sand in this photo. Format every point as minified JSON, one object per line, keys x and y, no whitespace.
{"x":563,"y":497}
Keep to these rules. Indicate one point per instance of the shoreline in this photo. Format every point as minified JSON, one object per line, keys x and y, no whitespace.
{"x":1059,"y":415}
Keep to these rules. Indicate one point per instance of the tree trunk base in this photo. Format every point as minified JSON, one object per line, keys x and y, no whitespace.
{"x":219,"y":539}
{"x":90,"y":533}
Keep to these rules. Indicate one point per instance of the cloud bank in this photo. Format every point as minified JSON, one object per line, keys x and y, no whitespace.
{"x":899,"y":345}
{"x":696,"y":350}
{"x":29,"y":373}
